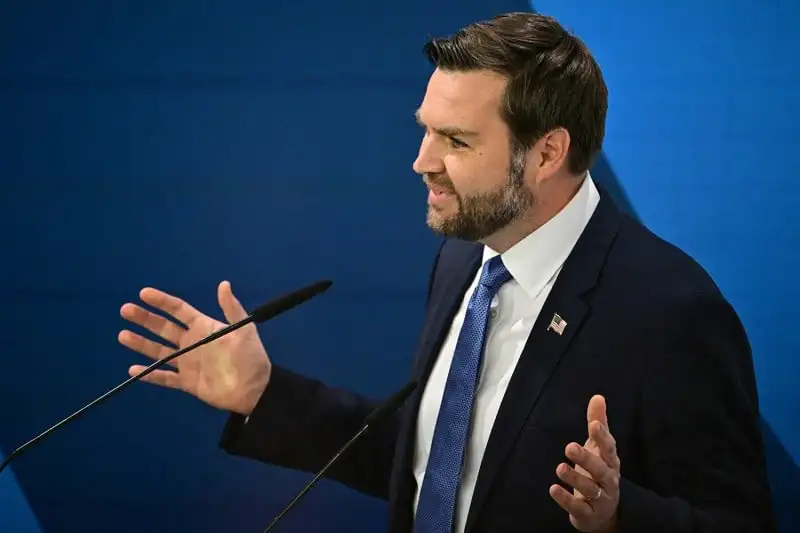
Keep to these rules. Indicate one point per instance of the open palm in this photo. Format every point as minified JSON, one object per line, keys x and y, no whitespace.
{"x":229,"y":373}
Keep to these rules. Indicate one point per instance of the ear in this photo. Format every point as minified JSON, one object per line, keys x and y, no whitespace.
{"x":552,"y":150}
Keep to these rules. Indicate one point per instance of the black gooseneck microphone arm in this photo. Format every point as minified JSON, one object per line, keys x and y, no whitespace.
{"x":375,"y":417}
{"x":261,"y":314}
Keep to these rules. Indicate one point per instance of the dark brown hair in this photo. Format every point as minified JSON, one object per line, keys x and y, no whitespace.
{"x":553,"y":80}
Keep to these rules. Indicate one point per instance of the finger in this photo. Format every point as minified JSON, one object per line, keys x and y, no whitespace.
{"x":606,"y":444}
{"x":233,"y":310}
{"x":166,"y":329}
{"x":172,"y":305}
{"x":597,"y":410}
{"x":164,"y":378}
{"x":583,"y":484}
{"x":594,"y":465}
{"x":575,"y":506}
{"x":146,"y":347}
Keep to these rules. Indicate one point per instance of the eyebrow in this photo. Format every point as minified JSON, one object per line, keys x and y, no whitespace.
{"x":446,"y":131}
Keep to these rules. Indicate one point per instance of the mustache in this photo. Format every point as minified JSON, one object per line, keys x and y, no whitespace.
{"x":439,"y":180}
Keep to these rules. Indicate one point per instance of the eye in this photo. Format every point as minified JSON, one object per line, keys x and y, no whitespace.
{"x":456,"y":143}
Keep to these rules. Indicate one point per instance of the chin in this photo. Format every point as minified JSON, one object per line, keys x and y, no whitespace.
{"x":438,"y":222}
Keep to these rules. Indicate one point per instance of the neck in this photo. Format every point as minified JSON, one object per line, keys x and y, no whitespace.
{"x":544,"y":208}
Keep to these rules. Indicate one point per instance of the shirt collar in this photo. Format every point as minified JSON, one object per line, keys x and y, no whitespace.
{"x":534,"y":260}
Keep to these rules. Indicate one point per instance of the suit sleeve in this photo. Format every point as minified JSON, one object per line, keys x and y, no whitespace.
{"x":300,"y":423}
{"x":703,"y":458}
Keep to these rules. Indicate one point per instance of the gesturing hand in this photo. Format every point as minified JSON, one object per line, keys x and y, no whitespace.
{"x":229,"y":373}
{"x":592,"y":506}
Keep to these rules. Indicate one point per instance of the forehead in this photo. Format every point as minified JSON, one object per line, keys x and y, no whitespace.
{"x":465,"y":99}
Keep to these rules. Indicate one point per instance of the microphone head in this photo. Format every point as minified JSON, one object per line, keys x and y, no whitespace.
{"x":290,"y":300}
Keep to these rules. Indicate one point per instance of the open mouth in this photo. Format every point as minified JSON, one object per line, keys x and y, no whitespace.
{"x":438,"y":195}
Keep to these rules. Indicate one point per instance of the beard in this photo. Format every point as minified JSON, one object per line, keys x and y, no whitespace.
{"x":481,"y":215}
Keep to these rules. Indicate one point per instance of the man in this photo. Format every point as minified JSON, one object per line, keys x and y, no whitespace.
{"x":575,"y":371}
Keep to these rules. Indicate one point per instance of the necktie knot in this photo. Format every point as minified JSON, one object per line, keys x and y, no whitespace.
{"x":494,"y":274}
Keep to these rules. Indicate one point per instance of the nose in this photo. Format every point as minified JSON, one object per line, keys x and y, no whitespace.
{"x":428,"y":161}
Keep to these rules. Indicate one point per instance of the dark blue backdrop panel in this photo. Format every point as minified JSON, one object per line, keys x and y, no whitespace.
{"x":176,"y":145}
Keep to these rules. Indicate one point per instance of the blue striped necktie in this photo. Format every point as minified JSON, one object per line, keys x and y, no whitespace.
{"x":437,"y":500}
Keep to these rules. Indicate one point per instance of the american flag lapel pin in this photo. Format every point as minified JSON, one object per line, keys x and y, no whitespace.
{"x":557,"y":324}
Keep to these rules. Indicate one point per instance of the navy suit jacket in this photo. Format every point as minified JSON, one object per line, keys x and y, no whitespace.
{"x":646,"y":327}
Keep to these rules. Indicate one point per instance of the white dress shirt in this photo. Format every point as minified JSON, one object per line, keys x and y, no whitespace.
{"x":534,"y":264}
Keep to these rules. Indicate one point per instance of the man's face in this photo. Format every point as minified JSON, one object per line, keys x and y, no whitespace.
{"x":474,"y":176}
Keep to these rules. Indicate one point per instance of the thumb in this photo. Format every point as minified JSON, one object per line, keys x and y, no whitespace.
{"x":230,"y":305}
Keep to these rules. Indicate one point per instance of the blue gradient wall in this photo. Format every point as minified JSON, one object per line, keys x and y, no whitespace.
{"x":702,"y":138}
{"x":271,"y":144}
{"x":15,"y":513}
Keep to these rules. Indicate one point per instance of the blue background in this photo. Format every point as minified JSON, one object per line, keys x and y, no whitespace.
{"x":177,"y":144}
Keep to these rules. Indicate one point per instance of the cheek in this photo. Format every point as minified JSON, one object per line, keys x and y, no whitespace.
{"x":475,"y":174}
{"x":464,"y":173}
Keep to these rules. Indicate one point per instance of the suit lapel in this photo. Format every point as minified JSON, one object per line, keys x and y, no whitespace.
{"x":546,"y":346}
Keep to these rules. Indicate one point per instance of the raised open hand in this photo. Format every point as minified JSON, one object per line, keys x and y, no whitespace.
{"x":229,"y":373}
{"x":592,"y":506}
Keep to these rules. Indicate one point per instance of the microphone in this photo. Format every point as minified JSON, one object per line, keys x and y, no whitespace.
{"x":378,"y":415}
{"x":264,"y":312}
